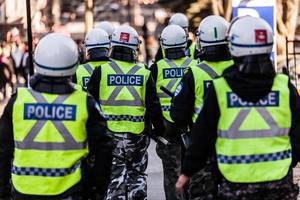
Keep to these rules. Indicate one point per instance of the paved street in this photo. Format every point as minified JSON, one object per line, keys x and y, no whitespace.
{"x":155,"y":175}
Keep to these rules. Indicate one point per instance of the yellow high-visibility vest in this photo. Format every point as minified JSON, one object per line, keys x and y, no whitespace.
{"x":122,"y":96}
{"x":50,"y":141}
{"x":85,"y":71}
{"x":169,"y":74}
{"x":253,"y":143}
{"x":203,"y":74}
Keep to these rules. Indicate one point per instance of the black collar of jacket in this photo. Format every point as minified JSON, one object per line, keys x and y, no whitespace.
{"x":123,"y":54}
{"x":96,"y":59}
{"x":175,"y":53}
{"x":98,"y":54}
{"x":52,"y":85}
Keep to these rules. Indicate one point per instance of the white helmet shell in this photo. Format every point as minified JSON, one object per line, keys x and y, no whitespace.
{"x":56,"y":55}
{"x":96,"y":38}
{"x":173,"y":36}
{"x":258,"y":38}
{"x":180,"y":20}
{"x":212,"y":31}
{"x":126,"y":36}
{"x":106,"y":26}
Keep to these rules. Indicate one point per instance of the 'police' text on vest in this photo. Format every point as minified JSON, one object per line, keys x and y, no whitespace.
{"x":272,"y":99}
{"x":85,"y":81}
{"x":42,"y":111}
{"x":173,"y":73}
{"x":121,"y":80}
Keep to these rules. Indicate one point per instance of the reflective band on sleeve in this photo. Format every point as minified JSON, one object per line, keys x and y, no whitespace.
{"x":125,"y":118}
{"x":208,"y":70}
{"x":242,"y":159}
{"x":46,"y":172}
{"x":234,"y":131}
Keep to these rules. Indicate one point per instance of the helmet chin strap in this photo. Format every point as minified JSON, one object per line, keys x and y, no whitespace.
{"x":255,"y":64}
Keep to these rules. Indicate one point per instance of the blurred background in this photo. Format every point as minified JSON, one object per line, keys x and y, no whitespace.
{"x":149,"y":17}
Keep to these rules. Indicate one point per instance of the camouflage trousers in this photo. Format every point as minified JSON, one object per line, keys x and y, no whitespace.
{"x":171,"y":161}
{"x":130,"y":160}
{"x":203,"y":185}
{"x":283,"y":189}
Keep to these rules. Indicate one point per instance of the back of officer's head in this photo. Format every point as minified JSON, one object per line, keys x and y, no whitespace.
{"x":173,"y":40}
{"x":97,"y":44}
{"x":56,"y":55}
{"x":211,"y":39}
{"x":250,"y":43}
{"x":125,"y":43}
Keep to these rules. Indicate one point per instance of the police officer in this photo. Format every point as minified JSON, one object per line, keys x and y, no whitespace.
{"x":191,"y":48}
{"x":216,"y":60}
{"x":127,"y":96}
{"x":47,"y":130}
{"x":97,"y":45}
{"x":250,"y":119}
{"x":186,"y":104}
{"x":167,"y":73}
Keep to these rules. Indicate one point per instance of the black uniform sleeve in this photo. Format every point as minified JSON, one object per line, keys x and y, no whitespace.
{"x":154,"y":72}
{"x":204,"y":135}
{"x":153,"y":108}
{"x":159,"y":54}
{"x":295,"y":128}
{"x":74,"y":79}
{"x":93,"y":85}
{"x":196,"y":52}
{"x":183,"y":102}
{"x":6,"y":147}
{"x":100,"y":145}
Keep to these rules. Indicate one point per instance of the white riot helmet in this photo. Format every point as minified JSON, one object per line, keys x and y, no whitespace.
{"x":106,"y":26}
{"x":180,"y":20}
{"x":250,"y":36}
{"x":212,"y":31}
{"x":96,"y":38}
{"x":126,"y":36}
{"x":173,"y":36}
{"x":56,"y":55}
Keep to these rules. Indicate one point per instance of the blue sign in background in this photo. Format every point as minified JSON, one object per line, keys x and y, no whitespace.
{"x":264,"y":12}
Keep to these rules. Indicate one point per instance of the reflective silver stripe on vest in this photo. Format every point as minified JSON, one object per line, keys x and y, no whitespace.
{"x":173,"y":81}
{"x":46,"y":172}
{"x":255,"y":158}
{"x":112,"y":98}
{"x":29,"y":143}
{"x":125,"y":118}
{"x":88,"y":68}
{"x":235,"y":133}
{"x":208,"y":70}
{"x":197,"y":110}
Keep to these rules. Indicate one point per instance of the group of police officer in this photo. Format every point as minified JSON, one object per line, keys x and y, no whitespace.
{"x":220,"y":114}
